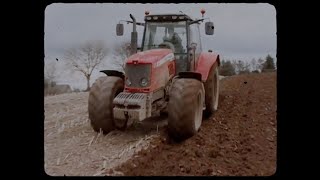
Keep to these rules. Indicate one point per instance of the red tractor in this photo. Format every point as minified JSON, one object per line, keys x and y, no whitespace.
{"x":170,"y":73}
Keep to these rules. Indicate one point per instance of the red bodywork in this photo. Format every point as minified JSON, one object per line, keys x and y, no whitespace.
{"x":162,"y":69}
{"x":205,"y":62}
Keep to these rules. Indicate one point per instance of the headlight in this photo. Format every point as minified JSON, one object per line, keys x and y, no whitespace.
{"x":128,"y":82}
{"x":144,"y":82}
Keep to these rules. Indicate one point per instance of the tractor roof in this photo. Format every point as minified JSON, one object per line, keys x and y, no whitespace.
{"x":167,"y":17}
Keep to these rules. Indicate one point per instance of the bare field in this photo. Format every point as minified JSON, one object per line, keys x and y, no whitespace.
{"x":72,"y":148}
{"x":239,"y":139}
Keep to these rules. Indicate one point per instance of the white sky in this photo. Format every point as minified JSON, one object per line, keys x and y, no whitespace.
{"x":242,"y":31}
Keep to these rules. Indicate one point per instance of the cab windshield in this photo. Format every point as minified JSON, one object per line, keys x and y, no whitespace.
{"x":172,"y":35}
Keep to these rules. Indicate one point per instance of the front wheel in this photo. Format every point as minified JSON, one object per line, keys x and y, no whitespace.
{"x":185,"y":108}
{"x":100,"y":106}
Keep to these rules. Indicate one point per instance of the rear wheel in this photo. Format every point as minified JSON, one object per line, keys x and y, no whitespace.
{"x":212,"y":91}
{"x":185,"y":108}
{"x":100,"y":106}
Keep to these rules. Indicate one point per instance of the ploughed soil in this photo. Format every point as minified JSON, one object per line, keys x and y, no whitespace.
{"x":238,"y":140}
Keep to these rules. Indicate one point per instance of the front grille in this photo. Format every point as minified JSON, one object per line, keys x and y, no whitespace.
{"x":135,"y":72}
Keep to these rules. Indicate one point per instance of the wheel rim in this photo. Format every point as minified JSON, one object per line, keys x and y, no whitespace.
{"x":198,"y":113}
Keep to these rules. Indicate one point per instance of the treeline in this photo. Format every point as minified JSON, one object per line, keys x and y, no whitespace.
{"x":233,"y":67}
{"x":84,"y":59}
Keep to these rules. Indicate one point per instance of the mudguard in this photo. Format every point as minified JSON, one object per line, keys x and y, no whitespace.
{"x":192,"y":75}
{"x":113,"y":73}
{"x":205,"y":62}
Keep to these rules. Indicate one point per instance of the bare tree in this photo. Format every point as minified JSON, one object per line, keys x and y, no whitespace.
{"x":260,"y":63}
{"x":49,"y":72}
{"x":253,"y":64}
{"x":86,"y":58}
{"x":241,"y":66}
{"x":122,"y":52}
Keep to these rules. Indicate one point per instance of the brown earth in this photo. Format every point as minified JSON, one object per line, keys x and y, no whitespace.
{"x":239,"y":139}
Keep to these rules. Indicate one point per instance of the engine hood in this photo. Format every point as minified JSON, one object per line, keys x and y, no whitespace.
{"x":154,"y":56}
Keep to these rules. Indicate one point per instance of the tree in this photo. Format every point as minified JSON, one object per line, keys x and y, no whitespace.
{"x":49,"y":72}
{"x":245,"y":68}
{"x":253,"y":64}
{"x":86,"y":58}
{"x":260,"y":63}
{"x":226,"y":68}
{"x":269,"y":63}
{"x":241,"y":67}
{"x":121,"y":53}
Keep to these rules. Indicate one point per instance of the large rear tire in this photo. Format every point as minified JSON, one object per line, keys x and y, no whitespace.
{"x":185,"y":108}
{"x":100,"y":106}
{"x":212,"y":92}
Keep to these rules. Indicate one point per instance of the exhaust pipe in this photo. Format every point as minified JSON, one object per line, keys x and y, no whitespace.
{"x":134,"y":36}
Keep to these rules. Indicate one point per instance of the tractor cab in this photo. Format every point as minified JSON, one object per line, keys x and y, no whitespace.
{"x":168,"y":31}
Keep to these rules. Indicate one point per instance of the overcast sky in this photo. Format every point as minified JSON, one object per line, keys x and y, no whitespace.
{"x":242,"y":31}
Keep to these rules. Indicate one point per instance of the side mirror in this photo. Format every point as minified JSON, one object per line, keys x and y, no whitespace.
{"x":209,"y":28}
{"x":119,"y":29}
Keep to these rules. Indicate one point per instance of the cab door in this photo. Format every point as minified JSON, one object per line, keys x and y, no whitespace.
{"x":194,"y":42}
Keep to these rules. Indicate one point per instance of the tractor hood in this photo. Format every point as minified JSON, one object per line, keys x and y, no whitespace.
{"x":156,"y":57}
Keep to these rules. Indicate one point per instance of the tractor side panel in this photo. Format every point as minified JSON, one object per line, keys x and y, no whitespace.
{"x":162,"y":74}
{"x":205,"y":62}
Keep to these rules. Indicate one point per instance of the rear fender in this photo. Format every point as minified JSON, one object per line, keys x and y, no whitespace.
{"x":192,"y":75}
{"x":207,"y":60}
{"x":113,"y":73}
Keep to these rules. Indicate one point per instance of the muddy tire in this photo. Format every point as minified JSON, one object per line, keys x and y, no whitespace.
{"x":100,"y":106}
{"x":185,"y":108}
{"x":212,"y":92}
